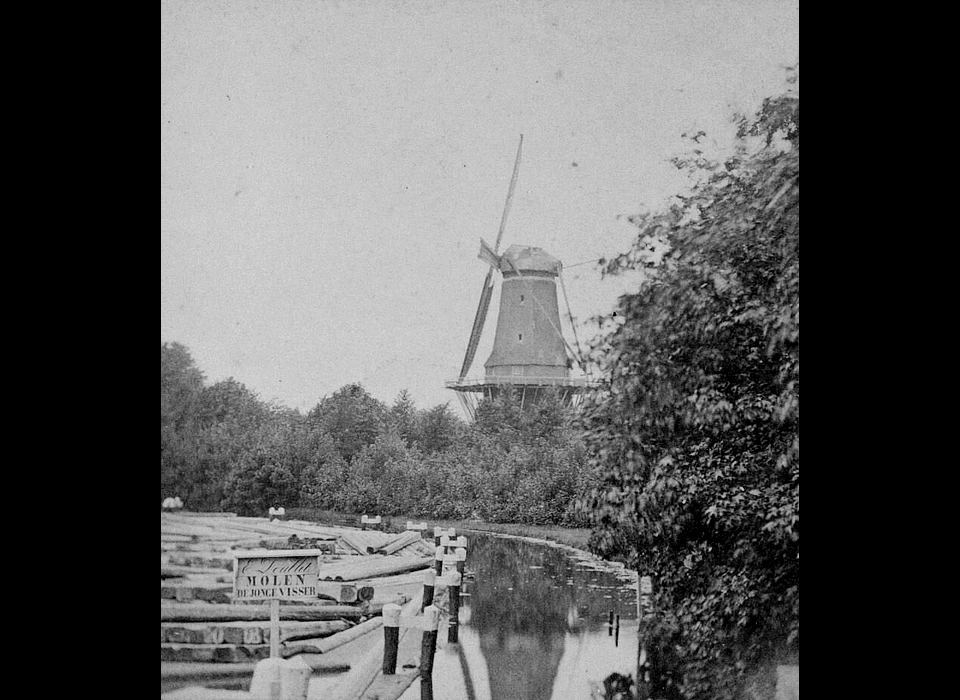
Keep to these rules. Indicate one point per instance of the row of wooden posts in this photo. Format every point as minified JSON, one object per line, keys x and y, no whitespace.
{"x":450,"y":550}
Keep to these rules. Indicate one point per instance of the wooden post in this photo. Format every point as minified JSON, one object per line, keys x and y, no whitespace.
{"x":438,"y":561}
{"x":453,"y":629}
{"x":391,"y":637}
{"x":644,"y":591}
{"x":610,"y":623}
{"x":274,"y":629}
{"x":275,"y":682}
{"x":461,"y":560}
{"x":616,"y":637}
{"x":429,"y":582}
{"x":436,"y":535}
{"x":428,"y":647}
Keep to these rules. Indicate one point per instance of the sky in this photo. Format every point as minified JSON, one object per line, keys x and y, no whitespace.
{"x":327,"y":169}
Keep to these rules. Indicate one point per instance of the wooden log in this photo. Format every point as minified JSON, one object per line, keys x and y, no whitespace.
{"x":230,"y":653}
{"x":185,"y":571}
{"x":330,"y":643}
{"x":191,"y":560}
{"x":202,"y":612}
{"x":181,"y":635}
{"x":373,"y":566}
{"x":222,"y":653}
{"x":291,"y":632}
{"x":395,"y":545}
{"x":234,"y":634}
{"x":220,"y":594}
{"x":328,"y":545}
{"x":186,"y":652}
{"x":256,"y":635}
{"x":344,"y":592}
{"x":200,"y":672}
{"x":353,"y":543}
{"x":190,"y":633}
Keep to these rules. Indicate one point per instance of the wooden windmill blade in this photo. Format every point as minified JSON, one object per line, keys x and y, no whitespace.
{"x":478,"y":321}
{"x":489,"y":256}
{"x":579,"y":355}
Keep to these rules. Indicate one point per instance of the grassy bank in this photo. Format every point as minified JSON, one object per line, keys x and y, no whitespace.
{"x":570,"y":536}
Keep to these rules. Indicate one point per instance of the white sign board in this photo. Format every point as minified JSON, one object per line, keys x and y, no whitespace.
{"x":276,"y":575}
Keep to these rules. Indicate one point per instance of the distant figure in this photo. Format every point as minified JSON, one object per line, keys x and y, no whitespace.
{"x":277,"y":513}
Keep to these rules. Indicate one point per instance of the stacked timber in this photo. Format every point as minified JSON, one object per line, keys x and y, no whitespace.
{"x":201,"y":622}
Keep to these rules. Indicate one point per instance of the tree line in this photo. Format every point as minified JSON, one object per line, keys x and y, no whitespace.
{"x":222,"y":448}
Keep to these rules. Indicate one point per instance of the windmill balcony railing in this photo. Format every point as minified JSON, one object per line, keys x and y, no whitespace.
{"x":479,"y":383}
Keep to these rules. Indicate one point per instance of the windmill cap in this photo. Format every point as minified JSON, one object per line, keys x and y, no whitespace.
{"x":528,"y":259}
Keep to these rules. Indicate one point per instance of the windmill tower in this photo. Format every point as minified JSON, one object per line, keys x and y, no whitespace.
{"x":530,"y":355}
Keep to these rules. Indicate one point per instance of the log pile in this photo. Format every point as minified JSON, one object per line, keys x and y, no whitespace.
{"x":201,"y":622}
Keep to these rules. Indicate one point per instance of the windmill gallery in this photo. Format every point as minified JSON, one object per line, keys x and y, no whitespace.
{"x":530,"y":355}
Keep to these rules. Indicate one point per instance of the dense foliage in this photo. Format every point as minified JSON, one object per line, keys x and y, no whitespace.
{"x":696,"y":438}
{"x":222,"y":448}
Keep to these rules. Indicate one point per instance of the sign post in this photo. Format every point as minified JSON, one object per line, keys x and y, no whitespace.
{"x":274,"y":629}
{"x":275,"y":575}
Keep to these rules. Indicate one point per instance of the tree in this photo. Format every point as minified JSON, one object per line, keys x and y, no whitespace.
{"x":230,"y":401}
{"x":229,"y":421}
{"x":324,"y":472}
{"x":180,"y":386}
{"x":695,"y":439}
{"x":437,"y":429}
{"x":402,"y":417}
{"x":352,"y":417}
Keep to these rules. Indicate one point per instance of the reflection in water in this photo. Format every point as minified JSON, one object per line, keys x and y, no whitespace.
{"x":529,"y":605}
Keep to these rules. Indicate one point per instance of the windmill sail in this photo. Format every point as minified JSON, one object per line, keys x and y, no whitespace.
{"x":506,"y":207}
{"x":478,"y":322}
{"x":487,"y":290}
{"x":573,"y":324}
{"x":487,"y":255}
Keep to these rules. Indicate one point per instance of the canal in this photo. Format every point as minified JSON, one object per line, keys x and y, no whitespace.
{"x":535,"y":624}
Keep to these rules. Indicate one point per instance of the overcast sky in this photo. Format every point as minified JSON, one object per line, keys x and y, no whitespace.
{"x":327,"y":169}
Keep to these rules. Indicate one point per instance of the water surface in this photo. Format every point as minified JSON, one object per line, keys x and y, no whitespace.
{"x":535,"y":622}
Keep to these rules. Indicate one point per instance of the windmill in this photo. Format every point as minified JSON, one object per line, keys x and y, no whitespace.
{"x":530,"y":354}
